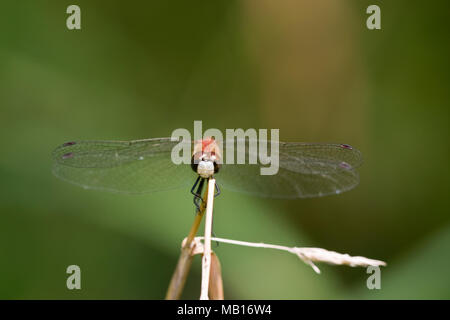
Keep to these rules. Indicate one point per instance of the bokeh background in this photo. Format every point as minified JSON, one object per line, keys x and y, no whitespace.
{"x":140,"y":69}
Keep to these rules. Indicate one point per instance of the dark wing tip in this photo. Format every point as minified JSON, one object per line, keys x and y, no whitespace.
{"x":64,"y":151}
{"x":353,"y":155}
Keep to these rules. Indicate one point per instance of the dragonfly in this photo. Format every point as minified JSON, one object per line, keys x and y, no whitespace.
{"x":306,"y":170}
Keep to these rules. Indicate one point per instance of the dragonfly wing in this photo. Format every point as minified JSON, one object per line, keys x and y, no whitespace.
{"x":305,"y":170}
{"x":322,"y":152}
{"x":139,"y":166}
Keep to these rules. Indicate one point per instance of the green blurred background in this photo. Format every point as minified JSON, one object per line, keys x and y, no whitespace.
{"x":140,"y":69}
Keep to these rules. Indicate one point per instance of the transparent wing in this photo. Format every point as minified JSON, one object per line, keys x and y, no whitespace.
{"x":305,"y":170}
{"x":138,"y":166}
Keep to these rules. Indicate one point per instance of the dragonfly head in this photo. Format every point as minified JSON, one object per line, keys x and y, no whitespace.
{"x":206,"y":157}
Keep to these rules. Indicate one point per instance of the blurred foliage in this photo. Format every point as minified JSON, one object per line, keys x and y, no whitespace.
{"x":142,"y":69}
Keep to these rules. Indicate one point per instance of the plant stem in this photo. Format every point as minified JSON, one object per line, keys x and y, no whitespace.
{"x":215,"y":282}
{"x":206,"y":261}
{"x":185,"y":260}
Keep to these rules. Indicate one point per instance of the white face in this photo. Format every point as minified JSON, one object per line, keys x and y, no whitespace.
{"x":205,"y":168}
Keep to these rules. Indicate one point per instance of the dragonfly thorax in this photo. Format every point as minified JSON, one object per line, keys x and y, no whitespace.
{"x":204,"y":165}
{"x":205,"y":169}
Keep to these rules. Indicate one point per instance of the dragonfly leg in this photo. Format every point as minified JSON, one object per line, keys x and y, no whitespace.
{"x":217,"y":190}
{"x":195,"y":184}
{"x":198,"y":194}
{"x":197,"y":202}
{"x":198,"y":198}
